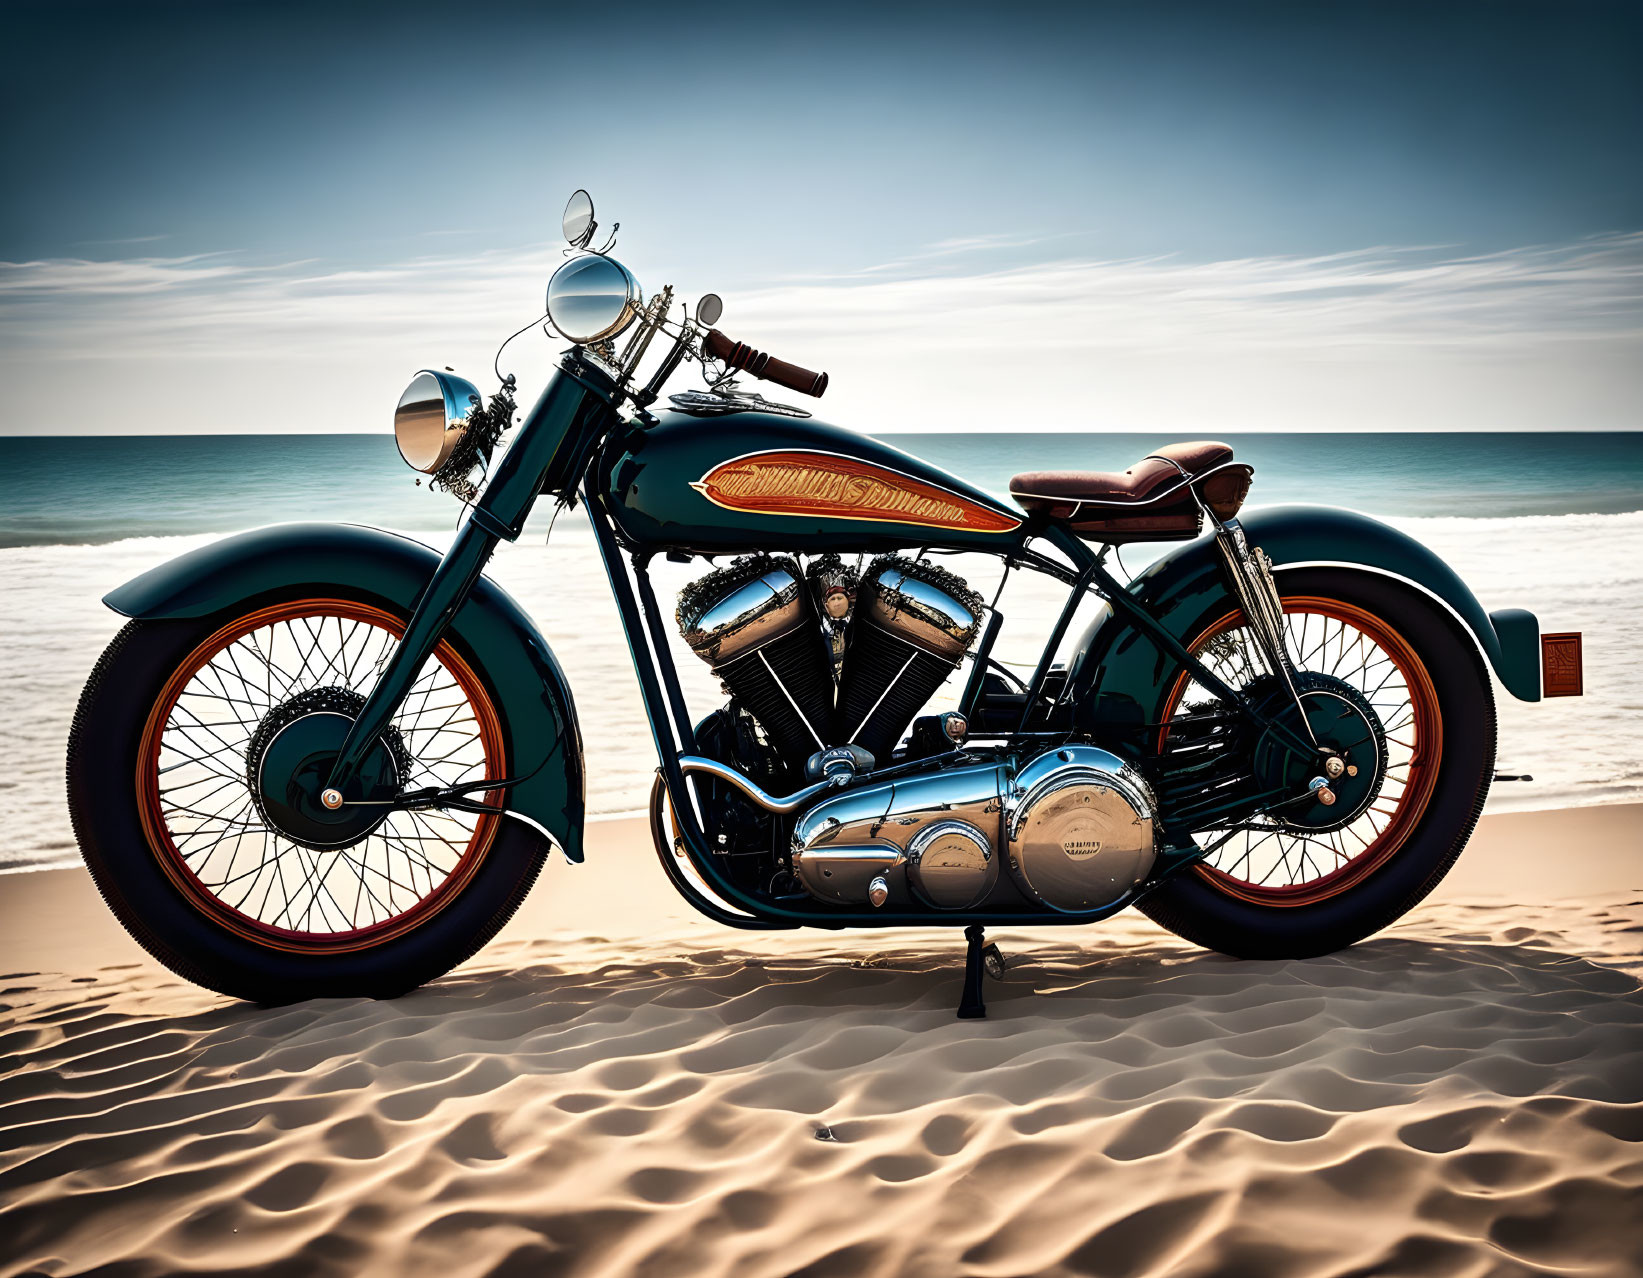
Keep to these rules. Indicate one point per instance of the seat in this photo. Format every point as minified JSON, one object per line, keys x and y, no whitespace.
{"x":1151,"y":501}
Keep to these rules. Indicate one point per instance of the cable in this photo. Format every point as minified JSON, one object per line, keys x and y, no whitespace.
{"x":496,"y":361}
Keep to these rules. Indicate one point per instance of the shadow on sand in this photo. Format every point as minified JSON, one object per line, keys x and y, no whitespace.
{"x":665,"y":1112}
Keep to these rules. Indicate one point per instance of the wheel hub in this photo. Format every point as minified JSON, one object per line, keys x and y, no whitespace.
{"x":288,"y":769}
{"x":1351,"y":751}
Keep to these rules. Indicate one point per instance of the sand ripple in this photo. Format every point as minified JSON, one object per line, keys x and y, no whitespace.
{"x":1461,"y":1097}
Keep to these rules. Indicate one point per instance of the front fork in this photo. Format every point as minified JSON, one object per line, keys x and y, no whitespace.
{"x":575,"y":409}
{"x":447,"y":591}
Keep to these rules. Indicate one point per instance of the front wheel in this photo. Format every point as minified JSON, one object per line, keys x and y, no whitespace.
{"x":180,"y":785}
{"x":1282,"y":888}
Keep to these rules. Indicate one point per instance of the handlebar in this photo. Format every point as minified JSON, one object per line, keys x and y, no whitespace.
{"x":742,"y":356}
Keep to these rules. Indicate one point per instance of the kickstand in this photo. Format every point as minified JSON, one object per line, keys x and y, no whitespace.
{"x":971,"y":1006}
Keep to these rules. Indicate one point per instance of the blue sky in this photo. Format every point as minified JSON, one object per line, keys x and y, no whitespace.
{"x":1170,"y":217}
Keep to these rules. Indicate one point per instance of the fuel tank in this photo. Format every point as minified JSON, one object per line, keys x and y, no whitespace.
{"x":748,"y":481}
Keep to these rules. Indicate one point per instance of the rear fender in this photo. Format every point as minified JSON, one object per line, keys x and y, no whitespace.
{"x":1119,"y":676}
{"x":490,"y":629}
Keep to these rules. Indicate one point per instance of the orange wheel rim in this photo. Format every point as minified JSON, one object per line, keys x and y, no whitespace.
{"x":206,"y":831}
{"x":1375,"y":653}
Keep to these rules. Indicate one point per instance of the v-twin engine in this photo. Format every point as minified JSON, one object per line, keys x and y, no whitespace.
{"x":1073,"y":829}
{"x":821,"y":660}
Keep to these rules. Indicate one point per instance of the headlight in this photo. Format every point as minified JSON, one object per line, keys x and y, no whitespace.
{"x":591,"y":298}
{"x":431,"y":418}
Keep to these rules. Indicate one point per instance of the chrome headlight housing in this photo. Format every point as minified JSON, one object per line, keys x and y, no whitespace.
{"x":432,"y":417}
{"x":591,"y":298}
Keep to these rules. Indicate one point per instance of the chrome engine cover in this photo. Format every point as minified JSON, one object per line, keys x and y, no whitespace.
{"x":1080,"y":828}
{"x":932,"y":837}
{"x":1074,"y":826}
{"x":740,"y":608}
{"x":951,"y":865}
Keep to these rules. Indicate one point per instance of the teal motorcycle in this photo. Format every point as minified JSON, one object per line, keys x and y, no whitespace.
{"x":326,"y":760}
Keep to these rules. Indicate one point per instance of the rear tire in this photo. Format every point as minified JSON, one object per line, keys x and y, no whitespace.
{"x":181,"y":926}
{"x":1219,"y":913}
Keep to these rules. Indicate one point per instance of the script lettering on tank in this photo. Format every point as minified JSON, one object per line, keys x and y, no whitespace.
{"x":833,"y":487}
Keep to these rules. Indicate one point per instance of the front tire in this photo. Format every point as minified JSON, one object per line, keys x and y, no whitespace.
{"x":1388,"y":632}
{"x":161,"y":757}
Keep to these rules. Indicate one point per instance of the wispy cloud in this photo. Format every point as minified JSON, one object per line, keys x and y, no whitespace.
{"x":1159,"y":337}
{"x":1376,"y":296}
{"x":213,"y":305}
{"x":125,"y":239}
{"x":943,"y":254}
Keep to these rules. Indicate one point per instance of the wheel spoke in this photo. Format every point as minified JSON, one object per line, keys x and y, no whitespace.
{"x":1268,"y":856}
{"x":213,"y":825}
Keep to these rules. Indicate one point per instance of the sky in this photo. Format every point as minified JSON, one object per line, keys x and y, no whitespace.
{"x":1174,"y":217}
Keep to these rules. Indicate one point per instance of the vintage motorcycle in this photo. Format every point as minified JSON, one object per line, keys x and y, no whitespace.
{"x":325,"y":760}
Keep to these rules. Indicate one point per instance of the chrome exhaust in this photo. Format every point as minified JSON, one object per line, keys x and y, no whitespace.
{"x":769,"y":802}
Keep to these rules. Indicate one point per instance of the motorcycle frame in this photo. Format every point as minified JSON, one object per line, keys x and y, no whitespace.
{"x":527,"y":472}
{"x":674,"y":736}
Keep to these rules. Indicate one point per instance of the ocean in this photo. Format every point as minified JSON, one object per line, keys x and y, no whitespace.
{"x":1552,"y":522}
{"x":71,"y":491}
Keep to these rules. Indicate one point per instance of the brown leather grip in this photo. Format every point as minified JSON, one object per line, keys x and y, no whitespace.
{"x":742,"y":356}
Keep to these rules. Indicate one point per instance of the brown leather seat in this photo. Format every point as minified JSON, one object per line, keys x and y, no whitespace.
{"x":1151,"y":501}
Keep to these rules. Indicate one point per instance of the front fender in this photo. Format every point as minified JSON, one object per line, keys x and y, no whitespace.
{"x":1126,"y":674}
{"x":491,"y":630}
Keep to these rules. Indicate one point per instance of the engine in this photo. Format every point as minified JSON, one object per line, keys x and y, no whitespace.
{"x":821,"y":660}
{"x":914,"y":623}
{"x":1073,"y":828}
{"x":755,"y":623}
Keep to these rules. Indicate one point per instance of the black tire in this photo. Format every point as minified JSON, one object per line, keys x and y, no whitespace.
{"x":1194,"y":907}
{"x":104,"y":804}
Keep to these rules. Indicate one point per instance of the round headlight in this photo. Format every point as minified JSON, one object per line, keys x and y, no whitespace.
{"x":591,"y":298}
{"x":431,"y":417}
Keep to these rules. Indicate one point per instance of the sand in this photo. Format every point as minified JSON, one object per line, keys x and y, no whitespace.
{"x":614,"y":1087}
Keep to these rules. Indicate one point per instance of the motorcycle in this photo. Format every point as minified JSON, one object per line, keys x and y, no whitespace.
{"x":323,"y":760}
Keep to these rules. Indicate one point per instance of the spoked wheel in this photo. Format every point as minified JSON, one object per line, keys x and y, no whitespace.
{"x":1419,"y":739}
{"x":210,"y":785}
{"x":195,"y":765}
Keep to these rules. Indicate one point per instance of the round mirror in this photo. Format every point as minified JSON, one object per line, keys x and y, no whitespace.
{"x":579,"y":219}
{"x":431,"y":417}
{"x":709,"y":308}
{"x":591,"y":298}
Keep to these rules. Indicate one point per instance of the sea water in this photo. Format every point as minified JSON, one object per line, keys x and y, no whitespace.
{"x":1550,"y":522}
{"x":69,"y":491}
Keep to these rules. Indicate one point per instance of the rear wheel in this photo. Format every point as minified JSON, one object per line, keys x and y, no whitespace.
{"x":1290,"y":888}
{"x":182,"y":759}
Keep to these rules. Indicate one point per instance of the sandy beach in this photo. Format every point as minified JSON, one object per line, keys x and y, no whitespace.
{"x":615,"y":1087}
